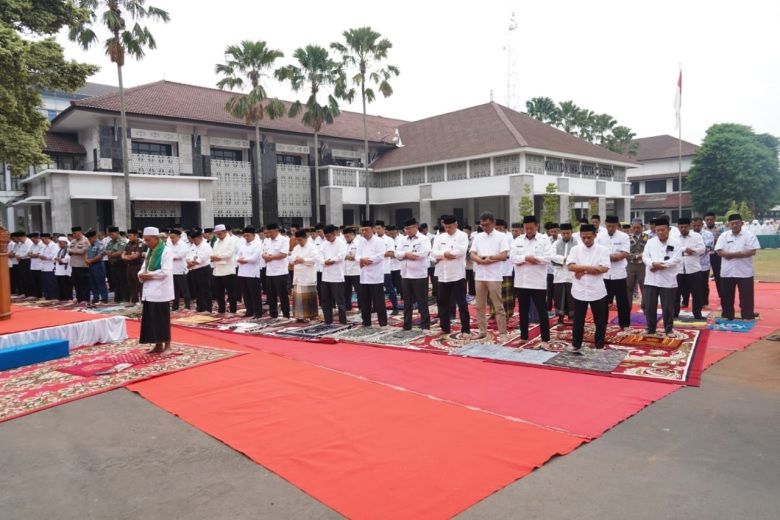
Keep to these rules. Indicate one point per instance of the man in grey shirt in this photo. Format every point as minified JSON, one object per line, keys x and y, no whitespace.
{"x":78,"y":263}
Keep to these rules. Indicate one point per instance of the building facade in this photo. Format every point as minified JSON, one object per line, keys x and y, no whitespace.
{"x":655,"y":183}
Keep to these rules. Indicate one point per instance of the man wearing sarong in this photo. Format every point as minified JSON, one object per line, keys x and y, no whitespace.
{"x":156,"y":274}
{"x":304,"y":258}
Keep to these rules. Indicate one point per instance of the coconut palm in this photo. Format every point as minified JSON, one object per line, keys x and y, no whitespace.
{"x":568,"y":114}
{"x":544,"y":109}
{"x":586,"y":120}
{"x":124,"y":39}
{"x":602,"y":126}
{"x":622,"y":141}
{"x":315,"y":71}
{"x":246,"y":65}
{"x":364,"y":50}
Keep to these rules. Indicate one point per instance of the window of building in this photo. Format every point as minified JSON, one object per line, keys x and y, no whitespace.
{"x":634,"y":188}
{"x":657,"y":186}
{"x":152,"y":148}
{"x":676,"y":184}
{"x":224,"y":154}
{"x":288,"y":159}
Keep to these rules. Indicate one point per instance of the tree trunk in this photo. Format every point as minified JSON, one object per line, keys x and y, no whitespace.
{"x":125,"y":152}
{"x":257,"y":182}
{"x":316,"y":179}
{"x":365,"y":145}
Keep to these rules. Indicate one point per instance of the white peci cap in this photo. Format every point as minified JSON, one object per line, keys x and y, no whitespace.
{"x":151,"y":232}
{"x":219,"y":227}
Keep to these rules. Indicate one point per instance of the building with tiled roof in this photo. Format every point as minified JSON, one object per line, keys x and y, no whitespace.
{"x":192,"y":163}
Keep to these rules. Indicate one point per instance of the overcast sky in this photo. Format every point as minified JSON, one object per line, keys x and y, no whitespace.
{"x":609,"y":56}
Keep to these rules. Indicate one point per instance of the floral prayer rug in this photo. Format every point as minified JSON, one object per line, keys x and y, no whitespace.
{"x":35,"y":387}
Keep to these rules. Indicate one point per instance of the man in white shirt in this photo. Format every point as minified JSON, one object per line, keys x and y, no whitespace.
{"x":596,"y":221}
{"x":619,"y":245}
{"x":46,"y":257}
{"x":333,"y":252}
{"x":715,"y":259}
{"x":35,"y":265}
{"x":62,"y":270}
{"x":688,"y":279}
{"x":370,"y":255}
{"x":705,"y":262}
{"x":223,"y":277}
{"x":530,"y":255}
{"x":390,"y":289}
{"x":488,"y":251}
{"x":471,"y":287}
{"x":248,"y":258}
{"x":22,"y":255}
{"x":179,"y":252}
{"x":395,"y":264}
{"x":553,"y":231}
{"x":156,"y":274}
{"x":276,"y":248}
{"x":198,"y":264}
{"x":736,"y":249}
{"x":562,"y":277}
{"x":449,"y":250}
{"x":304,"y":258}
{"x":351,"y":267}
{"x":588,"y":261}
{"x":413,"y":252}
{"x":661,"y":256}
{"x":508,"y":268}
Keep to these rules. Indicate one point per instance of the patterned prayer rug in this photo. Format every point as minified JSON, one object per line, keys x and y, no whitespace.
{"x":36,"y":387}
{"x":637,"y":319}
{"x":597,"y":360}
{"x":313,"y":331}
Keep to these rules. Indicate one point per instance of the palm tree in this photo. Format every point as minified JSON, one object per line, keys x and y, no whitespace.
{"x":123,"y":40}
{"x":603,"y":125}
{"x":314,"y":71}
{"x":568,"y":112}
{"x":622,"y":141}
{"x":363,"y":49}
{"x":585,"y":123}
{"x":544,"y":109}
{"x":246,"y":66}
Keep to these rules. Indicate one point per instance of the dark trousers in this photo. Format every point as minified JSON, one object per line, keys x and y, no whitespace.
{"x":635,"y":279}
{"x":564,"y":305}
{"x":470,"y":282}
{"x":263,"y":289}
{"x":728,"y":288}
{"x":391,"y":293}
{"x":64,"y":288}
{"x":278,"y":295}
{"x":715,"y":262}
{"x":333,"y":293}
{"x":416,"y":291}
{"x":97,"y":282}
{"x":452,"y":294}
{"x":14,"y":274}
{"x":434,"y":280}
{"x":371,"y":298}
{"x":350,"y":283}
{"x":319,"y":285}
{"x":550,"y":291}
{"x":539,"y":299}
{"x":396,"y":277}
{"x":600,"y":311}
{"x":133,"y":284}
{"x":668,"y":295}
{"x":250,"y":292}
{"x":80,"y":276}
{"x":23,"y":271}
{"x":181,"y":289}
{"x":49,"y":285}
{"x":689,"y":288}
{"x":222,"y":285}
{"x":200,"y":283}
{"x":619,"y":290}
{"x":118,"y":277}
{"x":704,"y":283}
{"x":35,"y":283}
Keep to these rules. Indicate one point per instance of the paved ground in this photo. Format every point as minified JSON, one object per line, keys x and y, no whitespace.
{"x":711,"y":452}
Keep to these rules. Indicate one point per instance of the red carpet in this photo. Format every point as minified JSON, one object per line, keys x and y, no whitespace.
{"x":364,"y":449}
{"x":29,"y":318}
{"x":581,"y":404}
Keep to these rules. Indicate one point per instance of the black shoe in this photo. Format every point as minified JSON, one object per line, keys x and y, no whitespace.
{"x":394,"y":313}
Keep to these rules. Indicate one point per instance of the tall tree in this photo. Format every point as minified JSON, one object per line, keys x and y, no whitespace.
{"x":544,"y":109}
{"x":246,"y":65}
{"x":586,"y":124}
{"x":315,"y":71}
{"x":568,"y":113}
{"x":602,"y":127}
{"x":123,"y":40}
{"x":365,"y":50}
{"x":551,"y":203}
{"x":621,"y":141}
{"x":735,"y":164}
{"x":32,"y":61}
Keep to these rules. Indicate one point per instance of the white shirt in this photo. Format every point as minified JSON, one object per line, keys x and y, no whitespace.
{"x":709,"y":246}
{"x":395,"y":263}
{"x":22,"y":249}
{"x":507,"y":266}
{"x":160,"y":287}
{"x":62,"y":269}
{"x":561,"y":273}
{"x":179,"y":252}
{"x":420,"y":245}
{"x":335,"y":251}
{"x":531,"y":276}
{"x":305,"y":273}
{"x":251,"y":252}
{"x":589,"y":287}
{"x":670,"y":254}
{"x":281,"y":244}
{"x":48,"y":252}
{"x":35,"y":263}
{"x":390,"y":248}
{"x":617,"y":242}
{"x":374,"y":250}
{"x":318,"y":240}
{"x":351,"y":267}
{"x":225,"y":249}
{"x":451,"y":269}
{"x":200,"y":254}
{"x":737,"y":267}
{"x":691,"y":263}
{"x":11,"y":260}
{"x":485,"y":245}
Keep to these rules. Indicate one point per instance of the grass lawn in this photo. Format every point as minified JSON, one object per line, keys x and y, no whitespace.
{"x":767,"y":265}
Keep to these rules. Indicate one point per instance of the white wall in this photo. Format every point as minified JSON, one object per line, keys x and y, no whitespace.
{"x":661,"y":167}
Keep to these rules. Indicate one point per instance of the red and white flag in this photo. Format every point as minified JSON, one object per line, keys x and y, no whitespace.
{"x":678,"y":101}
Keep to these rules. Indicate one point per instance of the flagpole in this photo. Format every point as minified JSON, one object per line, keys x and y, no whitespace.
{"x":679,"y":154}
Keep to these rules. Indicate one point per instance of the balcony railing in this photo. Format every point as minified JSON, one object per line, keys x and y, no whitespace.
{"x":145,"y":164}
{"x":13,"y":185}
